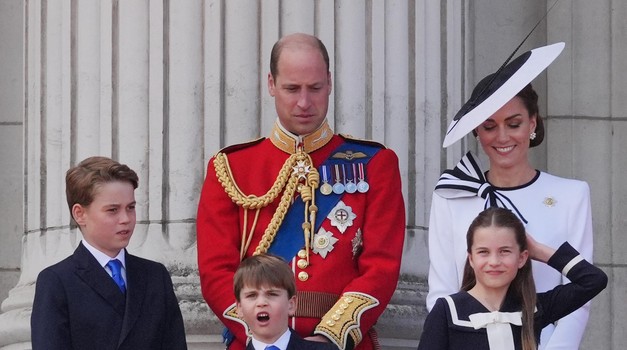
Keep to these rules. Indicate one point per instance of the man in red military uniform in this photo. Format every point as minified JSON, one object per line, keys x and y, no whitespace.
{"x":329,"y":204}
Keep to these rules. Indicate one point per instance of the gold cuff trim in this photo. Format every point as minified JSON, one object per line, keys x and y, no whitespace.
{"x":231,"y":314}
{"x":289,"y":143}
{"x":314,"y":304}
{"x":342,"y":321}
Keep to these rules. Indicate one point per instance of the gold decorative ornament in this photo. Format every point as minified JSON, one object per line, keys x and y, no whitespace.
{"x":297,"y":173}
{"x":343,"y":319}
{"x":303,"y":276}
{"x":549,"y":201}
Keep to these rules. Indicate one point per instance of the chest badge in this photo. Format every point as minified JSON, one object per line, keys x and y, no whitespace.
{"x":301,"y":170}
{"x":323,"y":242}
{"x":357,"y":244}
{"x":549,"y":201}
{"x":341,"y":216}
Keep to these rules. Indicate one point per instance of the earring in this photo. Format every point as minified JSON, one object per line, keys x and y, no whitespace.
{"x":532,"y":136}
{"x":477,"y":137}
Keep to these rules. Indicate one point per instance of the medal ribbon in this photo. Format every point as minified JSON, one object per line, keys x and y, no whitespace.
{"x":325,"y":177}
{"x":287,"y":242}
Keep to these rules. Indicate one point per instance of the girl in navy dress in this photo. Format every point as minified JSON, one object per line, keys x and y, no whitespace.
{"x":498,"y":308}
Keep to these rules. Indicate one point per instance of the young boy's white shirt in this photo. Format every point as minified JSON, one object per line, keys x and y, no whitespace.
{"x":103,"y":258}
{"x":281,"y":343}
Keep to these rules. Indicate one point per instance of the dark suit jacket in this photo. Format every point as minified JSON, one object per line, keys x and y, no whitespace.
{"x":78,"y":306}
{"x":298,"y":343}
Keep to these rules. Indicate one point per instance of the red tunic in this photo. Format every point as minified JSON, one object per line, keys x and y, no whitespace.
{"x":380,"y":216}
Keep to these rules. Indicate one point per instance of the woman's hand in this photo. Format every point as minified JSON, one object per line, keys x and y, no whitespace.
{"x":537,"y":250}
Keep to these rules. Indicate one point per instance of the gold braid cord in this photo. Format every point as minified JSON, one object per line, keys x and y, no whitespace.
{"x":297,"y":173}
{"x":342,"y":321}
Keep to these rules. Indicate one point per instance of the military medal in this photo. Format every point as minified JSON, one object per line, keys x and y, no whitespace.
{"x":325,"y":188}
{"x":301,"y":170}
{"x":323,"y":242}
{"x":357,"y":243}
{"x":362,"y":185}
{"x":351,"y":187}
{"x":341,"y":216}
{"x":338,"y":186}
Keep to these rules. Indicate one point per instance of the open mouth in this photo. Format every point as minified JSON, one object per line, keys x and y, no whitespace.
{"x":263,"y":317}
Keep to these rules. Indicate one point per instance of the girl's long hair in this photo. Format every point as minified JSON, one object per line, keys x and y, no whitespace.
{"x":522,"y":287}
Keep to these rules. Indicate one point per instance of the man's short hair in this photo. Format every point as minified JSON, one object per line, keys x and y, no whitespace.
{"x":264,"y":270}
{"x":297,"y":39}
{"x":82,"y":181}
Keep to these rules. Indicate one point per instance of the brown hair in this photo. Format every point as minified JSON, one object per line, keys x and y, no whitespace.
{"x":295,"y":40}
{"x":82,"y":181}
{"x":529,"y":98}
{"x":522,"y":287}
{"x":264,"y":270}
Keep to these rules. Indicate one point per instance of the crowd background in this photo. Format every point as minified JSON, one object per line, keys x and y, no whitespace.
{"x":163,"y":85}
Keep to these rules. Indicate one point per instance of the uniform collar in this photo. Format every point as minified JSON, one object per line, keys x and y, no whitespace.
{"x":289,"y":143}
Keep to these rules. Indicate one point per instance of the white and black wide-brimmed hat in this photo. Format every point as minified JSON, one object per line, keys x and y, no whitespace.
{"x":495,"y":90}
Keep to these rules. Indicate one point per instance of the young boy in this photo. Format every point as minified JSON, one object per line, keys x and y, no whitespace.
{"x":101,"y":297}
{"x":265,"y":291}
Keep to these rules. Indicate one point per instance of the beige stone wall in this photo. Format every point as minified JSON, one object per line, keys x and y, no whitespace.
{"x":11,"y":146}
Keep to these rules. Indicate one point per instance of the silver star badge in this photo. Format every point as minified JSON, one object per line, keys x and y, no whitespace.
{"x":301,"y":170}
{"x":323,"y":242}
{"x":341,"y":216}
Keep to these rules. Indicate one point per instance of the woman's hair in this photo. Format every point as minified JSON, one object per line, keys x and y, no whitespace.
{"x":522,"y":287}
{"x":529,"y":98}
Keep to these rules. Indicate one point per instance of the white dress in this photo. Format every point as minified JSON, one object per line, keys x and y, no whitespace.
{"x":555,"y":209}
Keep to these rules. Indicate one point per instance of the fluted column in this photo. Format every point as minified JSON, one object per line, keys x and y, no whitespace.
{"x":121,"y":79}
{"x":163,"y":85}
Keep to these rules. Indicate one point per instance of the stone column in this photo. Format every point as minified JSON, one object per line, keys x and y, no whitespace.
{"x":121,"y":79}
{"x":163,"y":85}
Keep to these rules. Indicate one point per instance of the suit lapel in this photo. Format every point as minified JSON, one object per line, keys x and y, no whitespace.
{"x":89,"y":270}
{"x":137,"y":283}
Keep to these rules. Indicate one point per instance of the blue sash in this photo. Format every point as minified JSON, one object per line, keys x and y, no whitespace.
{"x":289,"y":238}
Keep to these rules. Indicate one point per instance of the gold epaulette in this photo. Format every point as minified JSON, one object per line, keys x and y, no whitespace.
{"x":231,"y":314}
{"x":343,"y":319}
{"x":350,"y":138}
{"x":238,"y":146}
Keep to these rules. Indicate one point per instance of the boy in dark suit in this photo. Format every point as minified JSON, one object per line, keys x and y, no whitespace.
{"x":101,"y":297}
{"x":265,"y":291}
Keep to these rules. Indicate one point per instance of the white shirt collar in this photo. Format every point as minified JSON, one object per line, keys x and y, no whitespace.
{"x":103,"y":258}
{"x":281,"y":342}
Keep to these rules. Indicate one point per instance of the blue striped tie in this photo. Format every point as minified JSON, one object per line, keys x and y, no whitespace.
{"x":116,"y":271}
{"x":272,"y":347}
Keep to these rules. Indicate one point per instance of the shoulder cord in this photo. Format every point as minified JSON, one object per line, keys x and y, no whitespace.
{"x":287,"y":179}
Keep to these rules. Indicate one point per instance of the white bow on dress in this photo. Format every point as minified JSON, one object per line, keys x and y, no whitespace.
{"x":498,"y":327}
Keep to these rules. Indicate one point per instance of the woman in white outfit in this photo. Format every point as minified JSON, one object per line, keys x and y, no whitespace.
{"x":554,"y":209}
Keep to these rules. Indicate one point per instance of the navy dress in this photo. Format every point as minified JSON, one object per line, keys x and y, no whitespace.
{"x":449,"y":326}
